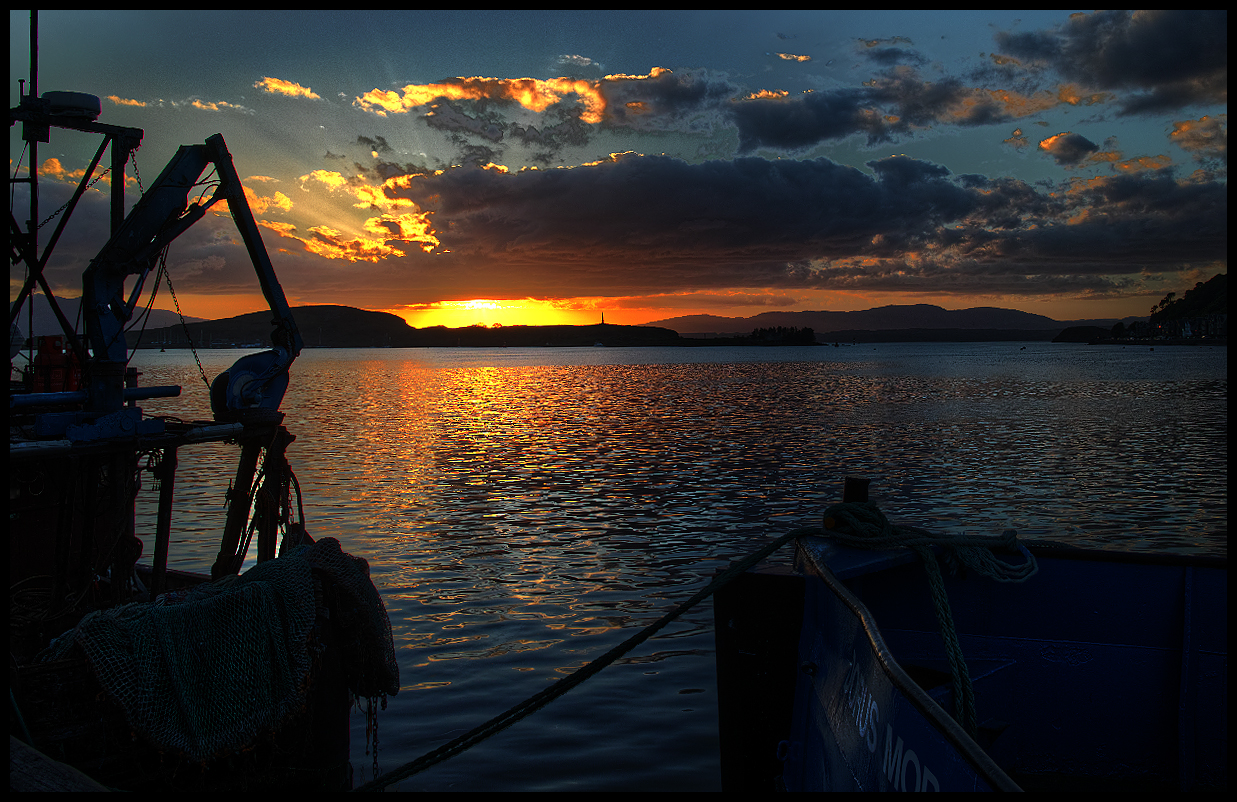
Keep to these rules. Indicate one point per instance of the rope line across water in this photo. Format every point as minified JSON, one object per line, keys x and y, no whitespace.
{"x":539,"y":700}
{"x":854,"y":524}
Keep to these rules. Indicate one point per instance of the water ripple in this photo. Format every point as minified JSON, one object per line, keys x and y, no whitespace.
{"x":523,"y":511}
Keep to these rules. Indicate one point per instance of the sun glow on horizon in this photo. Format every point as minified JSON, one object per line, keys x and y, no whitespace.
{"x":495,"y":312}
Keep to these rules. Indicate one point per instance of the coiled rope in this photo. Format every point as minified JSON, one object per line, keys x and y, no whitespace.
{"x":862,"y":525}
{"x":539,"y":700}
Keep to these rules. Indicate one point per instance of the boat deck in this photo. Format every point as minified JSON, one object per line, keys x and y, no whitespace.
{"x":1104,"y":670}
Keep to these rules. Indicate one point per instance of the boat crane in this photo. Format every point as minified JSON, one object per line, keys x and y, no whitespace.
{"x":252,"y":389}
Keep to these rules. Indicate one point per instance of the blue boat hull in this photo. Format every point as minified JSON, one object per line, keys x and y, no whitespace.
{"x":1104,"y":670}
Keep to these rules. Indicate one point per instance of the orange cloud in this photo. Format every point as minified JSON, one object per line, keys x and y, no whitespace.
{"x":259,"y":204}
{"x":1047,"y":144}
{"x":531,"y":93}
{"x":282,"y":229}
{"x":216,"y":106}
{"x":278,"y":86}
{"x":405,"y":228}
{"x":53,"y":169}
{"x":1017,"y":139}
{"x":792,"y":57}
{"x":331,"y":243}
{"x":1070,"y":150}
{"x":379,"y":196}
{"x":330,"y":178}
{"x":770,"y":94}
{"x":1137,"y":165}
{"x":1016,"y":104}
{"x":204,"y":105}
{"x":613,"y":157}
{"x":1073,"y":96}
{"x":1206,"y":137}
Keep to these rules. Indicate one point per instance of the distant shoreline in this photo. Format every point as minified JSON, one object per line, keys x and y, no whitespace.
{"x":1217,"y":341}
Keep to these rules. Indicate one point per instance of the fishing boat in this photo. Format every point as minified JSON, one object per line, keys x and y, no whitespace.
{"x":1103,"y":670}
{"x":135,"y":675}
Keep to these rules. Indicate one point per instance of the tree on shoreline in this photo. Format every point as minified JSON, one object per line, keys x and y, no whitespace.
{"x":1209,"y":298}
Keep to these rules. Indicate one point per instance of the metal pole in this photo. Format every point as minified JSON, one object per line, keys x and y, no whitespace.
{"x":120,"y":157}
{"x":163,"y":525}
{"x":275,"y":486}
{"x":34,"y":144}
{"x":238,"y":509}
{"x":32,"y":224}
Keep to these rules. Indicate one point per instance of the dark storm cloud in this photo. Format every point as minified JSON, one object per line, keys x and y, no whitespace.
{"x":208,"y":257}
{"x":639,"y":225}
{"x":1169,"y":59}
{"x":478,"y":155}
{"x":1162,"y":60}
{"x":893,"y":103}
{"x":716,"y":223}
{"x":801,"y":122}
{"x":1118,"y":228}
{"x":376,"y":144}
{"x":568,"y":131}
{"x":382,"y":170}
{"x":1205,"y":139}
{"x":660,"y":224}
{"x":662,"y":98}
{"x":1068,"y":148}
{"x":889,"y":56}
{"x":445,"y":117}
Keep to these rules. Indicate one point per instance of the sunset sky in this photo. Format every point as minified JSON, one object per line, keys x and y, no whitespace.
{"x":545,"y":167}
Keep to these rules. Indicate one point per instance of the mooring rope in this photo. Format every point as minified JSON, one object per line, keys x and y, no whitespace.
{"x":539,"y":700}
{"x":859,"y":525}
{"x":862,"y":525}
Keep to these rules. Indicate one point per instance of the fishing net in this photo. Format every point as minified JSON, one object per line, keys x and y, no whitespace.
{"x":206,"y":671}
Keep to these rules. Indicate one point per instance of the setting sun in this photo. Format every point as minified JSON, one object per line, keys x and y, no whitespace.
{"x":489,"y":312}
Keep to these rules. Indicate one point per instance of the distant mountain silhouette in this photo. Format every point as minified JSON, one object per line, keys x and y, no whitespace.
{"x":883,"y":318}
{"x":45,"y":320}
{"x":331,"y":326}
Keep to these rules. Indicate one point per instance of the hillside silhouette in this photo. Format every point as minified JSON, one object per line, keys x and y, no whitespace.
{"x":884,"y":318}
{"x":330,"y":326}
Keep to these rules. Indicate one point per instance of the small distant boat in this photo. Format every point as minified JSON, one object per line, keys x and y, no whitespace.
{"x":1104,"y":670}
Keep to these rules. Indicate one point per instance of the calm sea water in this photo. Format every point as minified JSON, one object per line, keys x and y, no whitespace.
{"x":525,"y":510}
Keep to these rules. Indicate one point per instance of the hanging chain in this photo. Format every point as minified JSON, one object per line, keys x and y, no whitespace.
{"x":136,"y":174}
{"x":96,"y":180}
{"x":167,"y":274}
{"x":56,"y":213}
